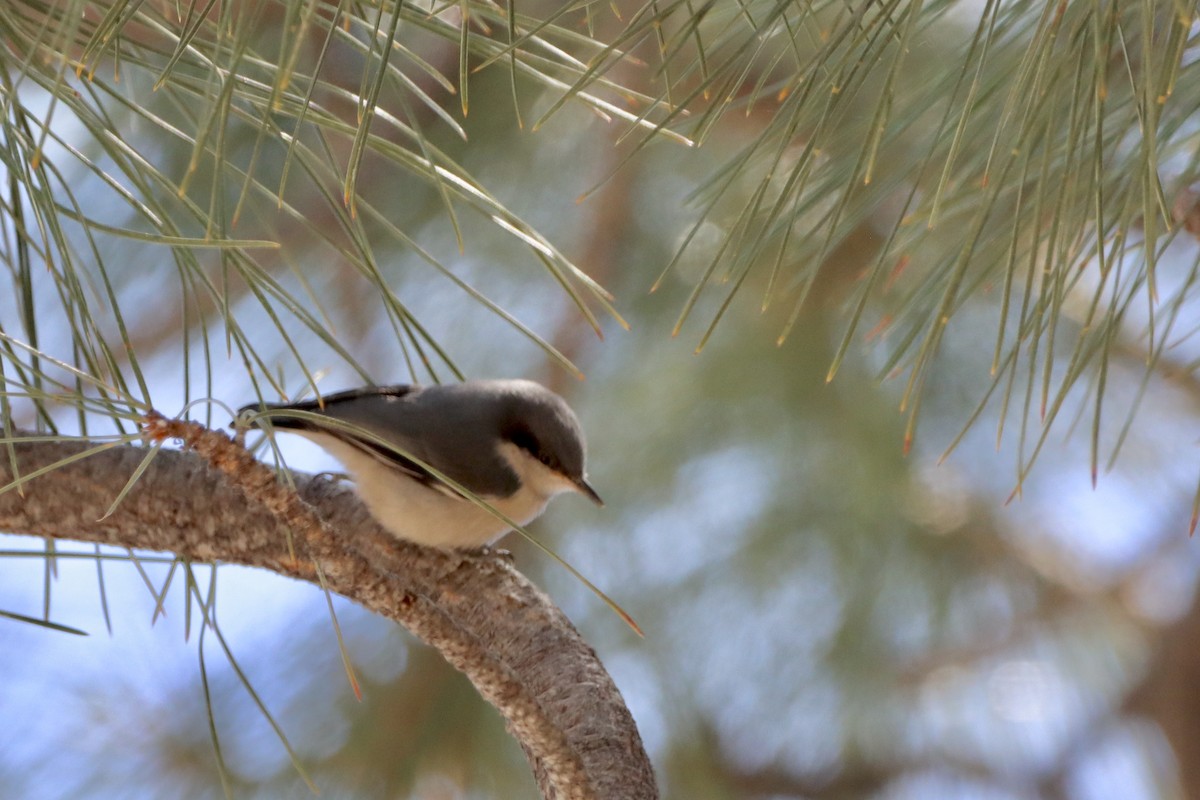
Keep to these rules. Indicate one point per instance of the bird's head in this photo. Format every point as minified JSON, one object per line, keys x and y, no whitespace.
{"x":543,"y":440}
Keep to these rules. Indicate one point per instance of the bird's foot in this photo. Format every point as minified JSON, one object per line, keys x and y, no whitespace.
{"x":490,"y":552}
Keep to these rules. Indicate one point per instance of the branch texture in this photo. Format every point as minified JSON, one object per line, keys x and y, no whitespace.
{"x":484,"y":616}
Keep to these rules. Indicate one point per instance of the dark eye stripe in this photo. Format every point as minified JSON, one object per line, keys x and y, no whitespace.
{"x":525,"y":440}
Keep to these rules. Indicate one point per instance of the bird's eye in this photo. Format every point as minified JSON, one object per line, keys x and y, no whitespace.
{"x":524,"y":440}
{"x":544,"y":457}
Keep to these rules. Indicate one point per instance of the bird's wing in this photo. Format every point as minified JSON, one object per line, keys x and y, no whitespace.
{"x":322,"y":404}
{"x":342,"y":406}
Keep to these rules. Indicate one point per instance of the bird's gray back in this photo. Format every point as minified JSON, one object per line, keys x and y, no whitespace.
{"x":453,"y":430}
{"x":456,"y":428}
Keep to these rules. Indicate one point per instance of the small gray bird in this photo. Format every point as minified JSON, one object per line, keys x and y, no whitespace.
{"x":513,"y":443}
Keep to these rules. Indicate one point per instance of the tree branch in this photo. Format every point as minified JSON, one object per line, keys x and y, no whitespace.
{"x":484,"y":616}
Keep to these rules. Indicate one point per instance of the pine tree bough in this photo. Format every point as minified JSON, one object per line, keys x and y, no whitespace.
{"x":484,"y":616}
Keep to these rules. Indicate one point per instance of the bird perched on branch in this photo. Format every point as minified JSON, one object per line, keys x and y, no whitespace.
{"x":513,"y":444}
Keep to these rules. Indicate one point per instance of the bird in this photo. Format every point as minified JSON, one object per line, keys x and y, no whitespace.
{"x":512,"y":443}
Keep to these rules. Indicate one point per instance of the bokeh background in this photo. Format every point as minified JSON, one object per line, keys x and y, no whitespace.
{"x":826,"y":615}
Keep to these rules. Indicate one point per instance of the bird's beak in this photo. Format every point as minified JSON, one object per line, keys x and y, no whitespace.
{"x":587,"y":491}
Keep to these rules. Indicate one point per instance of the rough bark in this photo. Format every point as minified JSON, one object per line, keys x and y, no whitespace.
{"x":487,"y":619}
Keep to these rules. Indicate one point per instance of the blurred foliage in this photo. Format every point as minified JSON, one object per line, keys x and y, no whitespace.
{"x":211,"y":201}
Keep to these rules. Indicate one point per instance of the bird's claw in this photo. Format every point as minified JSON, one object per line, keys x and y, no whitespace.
{"x":488,"y":552}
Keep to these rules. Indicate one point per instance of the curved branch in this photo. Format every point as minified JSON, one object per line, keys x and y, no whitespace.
{"x":484,"y":616}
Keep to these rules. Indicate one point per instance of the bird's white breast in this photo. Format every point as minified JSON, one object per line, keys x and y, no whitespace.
{"x":413,"y":511}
